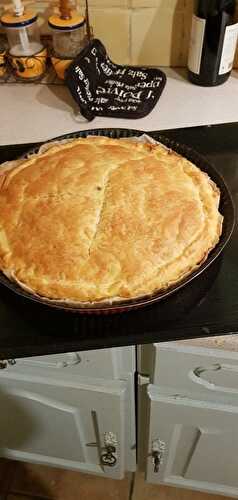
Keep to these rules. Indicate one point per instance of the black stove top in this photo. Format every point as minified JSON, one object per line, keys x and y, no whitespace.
{"x":28,"y":329}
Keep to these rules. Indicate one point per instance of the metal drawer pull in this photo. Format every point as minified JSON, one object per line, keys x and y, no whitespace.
{"x":108,"y":457}
{"x":158,"y":449}
{"x":156,"y":458}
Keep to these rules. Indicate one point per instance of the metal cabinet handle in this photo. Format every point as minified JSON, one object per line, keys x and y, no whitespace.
{"x":157,"y":460}
{"x":107,"y":451}
{"x":108,"y":457}
{"x":158,"y":449}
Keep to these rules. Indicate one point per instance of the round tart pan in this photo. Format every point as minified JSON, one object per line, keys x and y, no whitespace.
{"x":226,"y":208}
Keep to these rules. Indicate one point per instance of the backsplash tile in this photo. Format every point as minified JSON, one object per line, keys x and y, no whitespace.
{"x":147,"y":32}
{"x":156,"y":37}
{"x":111,"y":26}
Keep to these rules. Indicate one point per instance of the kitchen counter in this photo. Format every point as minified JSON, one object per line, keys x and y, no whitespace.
{"x":32,"y":113}
{"x":37,"y":112}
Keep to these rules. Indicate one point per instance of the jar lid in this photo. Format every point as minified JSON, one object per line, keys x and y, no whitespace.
{"x":10,"y":20}
{"x":76,"y":21}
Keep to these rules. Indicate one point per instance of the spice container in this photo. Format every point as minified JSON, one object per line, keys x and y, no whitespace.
{"x":69,"y":37}
{"x":27,"y":55}
{"x":3,"y":58}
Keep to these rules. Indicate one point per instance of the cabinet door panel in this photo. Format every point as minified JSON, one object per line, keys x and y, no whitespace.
{"x":63,"y":425}
{"x":221,"y":447}
{"x":200,"y":443}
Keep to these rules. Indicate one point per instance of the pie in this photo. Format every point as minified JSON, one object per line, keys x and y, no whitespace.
{"x":102,"y":220}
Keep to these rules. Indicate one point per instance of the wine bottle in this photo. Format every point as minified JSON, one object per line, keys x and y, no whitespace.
{"x":212,"y":42}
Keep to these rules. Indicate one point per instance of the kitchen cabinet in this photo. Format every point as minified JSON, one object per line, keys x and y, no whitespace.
{"x":67,"y":409}
{"x":194,"y":442}
{"x":188,"y":416}
{"x":68,"y":424}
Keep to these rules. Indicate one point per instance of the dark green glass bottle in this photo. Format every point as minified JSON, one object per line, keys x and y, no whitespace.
{"x":212,"y":42}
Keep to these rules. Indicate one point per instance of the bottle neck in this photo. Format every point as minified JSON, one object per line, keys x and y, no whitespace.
{"x":207,"y":8}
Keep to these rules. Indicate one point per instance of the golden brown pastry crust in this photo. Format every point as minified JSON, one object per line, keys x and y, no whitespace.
{"x":101,"y":219}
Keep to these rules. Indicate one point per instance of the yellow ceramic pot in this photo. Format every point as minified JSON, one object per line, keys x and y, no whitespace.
{"x":3,"y":62}
{"x":60,"y":65}
{"x":29,"y":67}
{"x":26,"y":55}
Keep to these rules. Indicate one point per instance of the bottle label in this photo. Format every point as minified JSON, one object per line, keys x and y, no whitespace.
{"x":228,"y":49}
{"x":196,"y":44}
